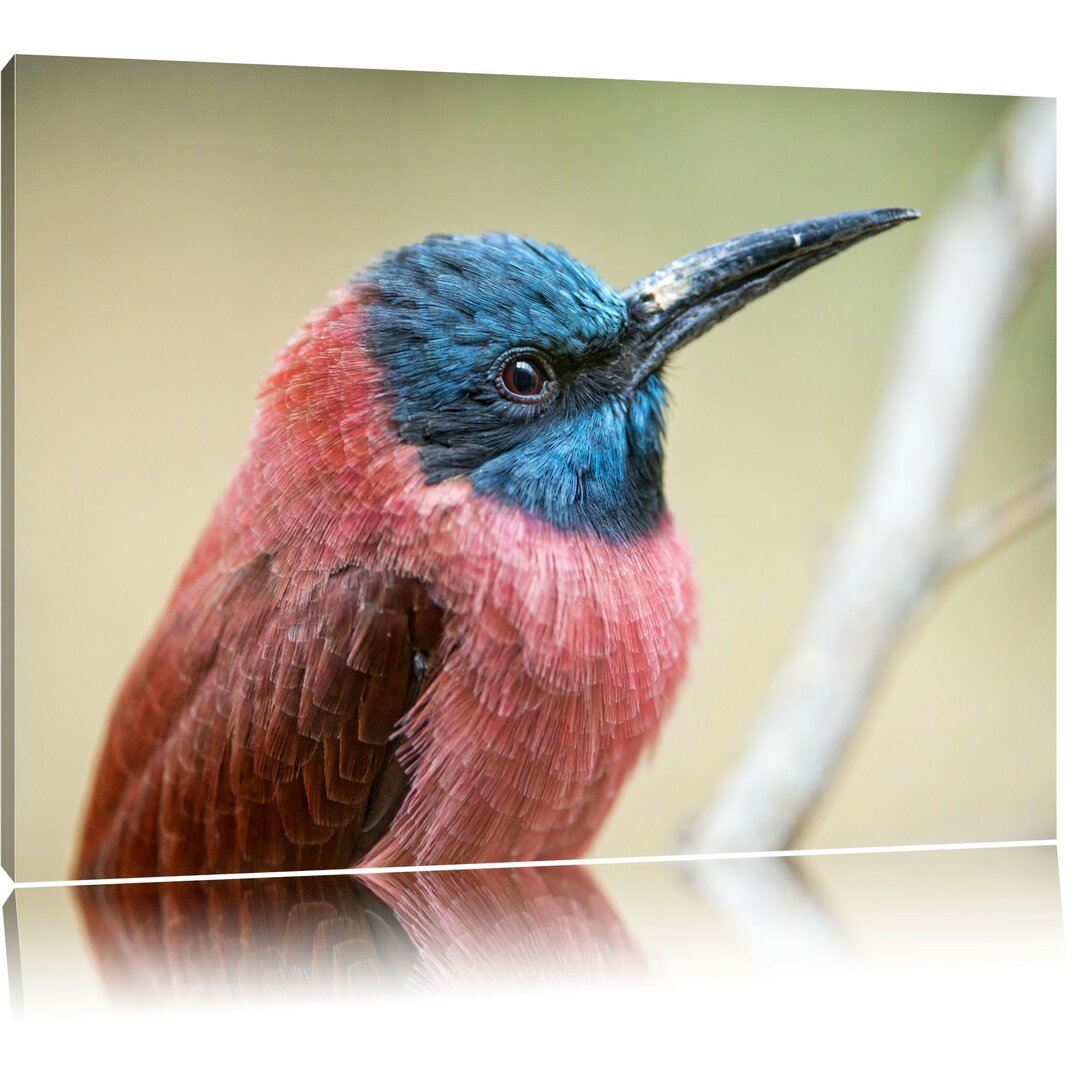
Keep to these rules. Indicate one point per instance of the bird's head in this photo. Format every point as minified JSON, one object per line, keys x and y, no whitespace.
{"x":515,"y":366}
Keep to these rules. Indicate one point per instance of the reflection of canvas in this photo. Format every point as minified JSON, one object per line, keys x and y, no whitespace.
{"x":151,"y":295}
{"x":256,"y":940}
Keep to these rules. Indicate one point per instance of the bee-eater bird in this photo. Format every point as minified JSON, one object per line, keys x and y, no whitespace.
{"x":442,"y":608}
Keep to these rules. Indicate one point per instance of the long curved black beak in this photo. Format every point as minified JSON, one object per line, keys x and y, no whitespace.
{"x":689,"y":296}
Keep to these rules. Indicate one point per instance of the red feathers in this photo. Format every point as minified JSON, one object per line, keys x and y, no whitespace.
{"x":337,"y":599}
{"x":560,"y":659}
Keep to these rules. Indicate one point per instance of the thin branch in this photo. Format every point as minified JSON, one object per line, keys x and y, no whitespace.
{"x":978,"y":260}
{"x":985,"y":530}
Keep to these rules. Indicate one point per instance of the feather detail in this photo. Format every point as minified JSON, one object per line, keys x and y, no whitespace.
{"x":358,"y":665}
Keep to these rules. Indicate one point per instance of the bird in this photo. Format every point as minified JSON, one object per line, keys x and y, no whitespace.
{"x":443,"y":608}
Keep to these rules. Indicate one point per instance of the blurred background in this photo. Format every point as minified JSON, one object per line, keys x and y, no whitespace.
{"x":175,"y":223}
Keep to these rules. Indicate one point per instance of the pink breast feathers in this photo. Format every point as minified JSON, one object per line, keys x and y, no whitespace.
{"x":561,"y":657}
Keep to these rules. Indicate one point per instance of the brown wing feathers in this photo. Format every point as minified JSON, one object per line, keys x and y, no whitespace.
{"x":254,"y":733}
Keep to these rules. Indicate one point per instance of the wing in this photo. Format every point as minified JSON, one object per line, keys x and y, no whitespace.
{"x":255,"y":732}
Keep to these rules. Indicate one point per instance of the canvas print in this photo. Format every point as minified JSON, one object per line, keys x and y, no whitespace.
{"x":418,"y":469}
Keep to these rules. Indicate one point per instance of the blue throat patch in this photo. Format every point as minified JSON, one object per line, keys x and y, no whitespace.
{"x":443,"y":314}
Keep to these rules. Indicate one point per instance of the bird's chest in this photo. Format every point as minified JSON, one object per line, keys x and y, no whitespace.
{"x":560,"y":660}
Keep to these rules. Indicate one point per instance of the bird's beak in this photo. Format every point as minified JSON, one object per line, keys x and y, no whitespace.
{"x":678,"y":303}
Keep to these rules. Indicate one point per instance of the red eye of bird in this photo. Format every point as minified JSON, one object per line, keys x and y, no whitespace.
{"x":523,"y":378}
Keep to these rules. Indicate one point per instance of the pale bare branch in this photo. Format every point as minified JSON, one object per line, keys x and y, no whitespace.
{"x":983,"y":531}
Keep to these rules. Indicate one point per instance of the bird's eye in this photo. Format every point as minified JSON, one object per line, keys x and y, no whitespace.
{"x":524,"y":377}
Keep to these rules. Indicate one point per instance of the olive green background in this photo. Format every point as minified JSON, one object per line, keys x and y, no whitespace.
{"x":175,"y":222}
